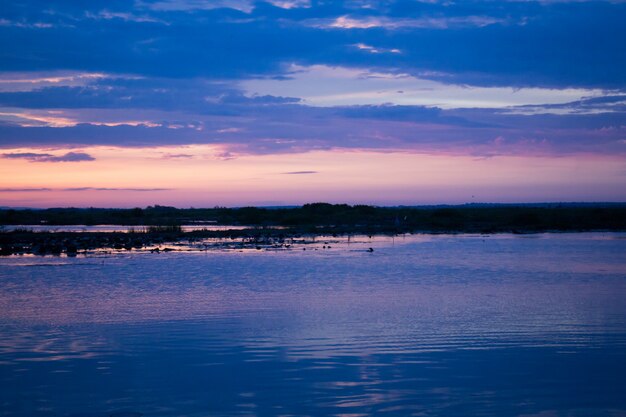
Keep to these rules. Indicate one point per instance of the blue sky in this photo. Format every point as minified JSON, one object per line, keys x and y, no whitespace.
{"x":256,"y":78}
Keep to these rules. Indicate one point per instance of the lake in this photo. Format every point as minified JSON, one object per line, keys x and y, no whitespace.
{"x":425,"y":325}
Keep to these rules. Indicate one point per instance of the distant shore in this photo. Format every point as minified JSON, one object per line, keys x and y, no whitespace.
{"x":261,"y":227}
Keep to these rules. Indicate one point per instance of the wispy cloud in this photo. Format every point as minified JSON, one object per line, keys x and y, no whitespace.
{"x":376,"y":50}
{"x":125,"y":16}
{"x":370,"y":22}
{"x":291,"y":4}
{"x":26,"y":25}
{"x":16,"y":81}
{"x":245,"y":6}
{"x":113,"y":189}
{"x":177,"y":156}
{"x":299,"y":172}
{"x":24,"y":190}
{"x":79,"y":189}
{"x":46,"y":157}
{"x":25,"y":119}
{"x":323,"y":85}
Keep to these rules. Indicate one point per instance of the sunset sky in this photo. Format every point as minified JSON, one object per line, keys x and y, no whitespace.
{"x":241,"y":102}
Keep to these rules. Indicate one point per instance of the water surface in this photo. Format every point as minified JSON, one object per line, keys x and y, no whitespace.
{"x":463,"y":325}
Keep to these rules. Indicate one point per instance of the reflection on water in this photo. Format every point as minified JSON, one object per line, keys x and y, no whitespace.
{"x":427,"y":326}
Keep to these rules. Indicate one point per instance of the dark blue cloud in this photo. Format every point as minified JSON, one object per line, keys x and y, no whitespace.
{"x":163,"y":94}
{"x":185,"y":59}
{"x":518,"y":43}
{"x":298,"y":128}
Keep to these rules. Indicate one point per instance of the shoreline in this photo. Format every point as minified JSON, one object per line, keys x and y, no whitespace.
{"x":23,"y":242}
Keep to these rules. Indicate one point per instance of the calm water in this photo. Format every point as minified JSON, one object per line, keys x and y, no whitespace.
{"x":426,"y":326}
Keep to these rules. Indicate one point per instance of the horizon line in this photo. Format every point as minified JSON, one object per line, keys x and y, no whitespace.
{"x":287,"y":206}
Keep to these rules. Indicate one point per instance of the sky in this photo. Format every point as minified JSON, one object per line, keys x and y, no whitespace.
{"x":202,"y":103}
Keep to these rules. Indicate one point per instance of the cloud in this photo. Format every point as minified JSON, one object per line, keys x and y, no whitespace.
{"x":177,"y":156}
{"x":322,"y":85}
{"x":595,"y":105}
{"x":20,"y":81}
{"x":245,"y":6}
{"x":299,"y":172}
{"x":125,"y":16}
{"x":225,"y":156}
{"x":291,"y":4}
{"x":263,"y":77}
{"x":79,"y":189}
{"x":46,"y":157}
{"x":197,"y":95}
{"x":373,"y":50}
{"x":23,"y":24}
{"x":300,"y":128}
{"x":24,"y":190}
{"x":113,"y":189}
{"x":70,"y":157}
{"x":229,"y":130}
{"x":373,"y":22}
{"x":555,"y":44}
